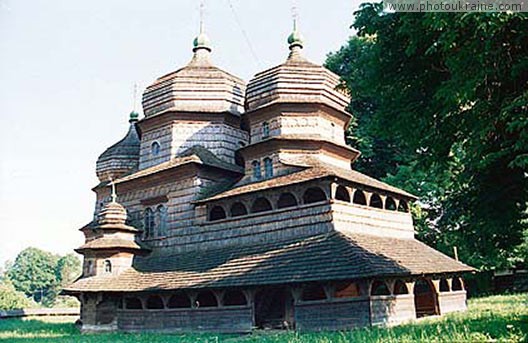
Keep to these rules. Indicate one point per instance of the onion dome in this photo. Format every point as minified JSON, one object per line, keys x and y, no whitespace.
{"x":198,"y":87}
{"x":295,"y":81}
{"x":122,"y":157}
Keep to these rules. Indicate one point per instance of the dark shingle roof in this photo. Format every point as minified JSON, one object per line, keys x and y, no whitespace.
{"x":323,"y":257}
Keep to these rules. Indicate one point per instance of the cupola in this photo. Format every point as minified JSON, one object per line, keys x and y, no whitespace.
{"x":122,"y":157}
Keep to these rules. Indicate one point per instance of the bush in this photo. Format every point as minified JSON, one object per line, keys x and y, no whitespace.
{"x":11,"y":299}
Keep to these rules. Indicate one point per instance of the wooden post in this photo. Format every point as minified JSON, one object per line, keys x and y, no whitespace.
{"x":455,"y":250}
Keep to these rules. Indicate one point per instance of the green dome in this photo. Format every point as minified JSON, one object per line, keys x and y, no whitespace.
{"x":133,"y":117}
{"x":202,"y":42}
{"x":295,"y":39}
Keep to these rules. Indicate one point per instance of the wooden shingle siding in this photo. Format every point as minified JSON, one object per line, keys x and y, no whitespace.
{"x":239,"y":319}
{"x":452,"y":301}
{"x":332,"y":315}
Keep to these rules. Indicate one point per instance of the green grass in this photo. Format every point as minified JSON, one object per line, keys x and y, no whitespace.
{"x":490,"y":319}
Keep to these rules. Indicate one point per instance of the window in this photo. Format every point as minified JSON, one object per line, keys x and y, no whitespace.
{"x":444,"y":286}
{"x":90,"y":268}
{"x":359,"y":198}
{"x":390,"y":204}
{"x":149,"y":223}
{"x":154,"y":302}
{"x":268,"y":167}
{"x":179,"y":300}
{"x":346,"y":290}
{"x":133,"y":304}
{"x":342,"y":194}
{"x":261,"y":205}
{"x":375,"y":201}
{"x":257,"y":175}
{"x":234,"y":298}
{"x":403,"y":207}
{"x":314,"y":194}
{"x":286,"y":200}
{"x":107,"y":266}
{"x":161,"y":220}
{"x":206,"y":299}
{"x":400,"y":288}
{"x":379,"y":288}
{"x":238,"y":209}
{"x":217,"y":213}
{"x":456,"y":284}
{"x":265,"y":130}
{"x":313,"y":292}
{"x":155,"y":148}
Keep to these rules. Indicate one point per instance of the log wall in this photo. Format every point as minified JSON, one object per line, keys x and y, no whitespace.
{"x":452,"y":301}
{"x":391,"y":309}
{"x":336,"y":314}
{"x":237,"y":319}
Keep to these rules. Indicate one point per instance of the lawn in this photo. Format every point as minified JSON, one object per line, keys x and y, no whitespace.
{"x":490,"y":319}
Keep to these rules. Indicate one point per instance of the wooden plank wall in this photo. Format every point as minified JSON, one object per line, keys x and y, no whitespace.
{"x":392,"y":309}
{"x":332,"y":315}
{"x":232,"y":320}
{"x":452,"y":301}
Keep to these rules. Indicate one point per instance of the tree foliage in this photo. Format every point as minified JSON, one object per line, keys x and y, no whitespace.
{"x":11,"y":299}
{"x":441,"y":108}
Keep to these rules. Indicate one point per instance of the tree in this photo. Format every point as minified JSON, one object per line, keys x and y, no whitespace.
{"x":11,"y":299}
{"x":441,"y":101}
{"x":34,"y":273}
{"x":68,"y":269}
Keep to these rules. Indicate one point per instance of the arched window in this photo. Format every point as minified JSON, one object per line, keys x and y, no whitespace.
{"x":261,"y":205}
{"x":268,"y":167}
{"x":90,"y":268}
{"x":286,"y":200}
{"x":444,"y":286}
{"x":314,"y":194}
{"x":375,"y":201}
{"x":107,"y":266}
{"x":155,"y":148}
{"x":379,"y":288}
{"x":217,"y":213}
{"x":161,"y":220}
{"x":154,"y":302}
{"x":313,"y":292}
{"x":257,"y":175}
{"x":456,"y":284}
{"x":359,"y":198}
{"x":403,"y":207}
{"x":149,"y":223}
{"x":342,"y":194}
{"x":390,"y":204}
{"x":133,"y":304}
{"x":265,"y":130}
{"x":179,"y":300}
{"x":234,"y":298}
{"x":238,"y":209}
{"x":346,"y":290}
{"x":206,"y":299}
{"x":400,"y":288}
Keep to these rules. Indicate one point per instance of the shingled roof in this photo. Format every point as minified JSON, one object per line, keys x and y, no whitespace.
{"x":332,"y":256}
{"x":195,"y":154}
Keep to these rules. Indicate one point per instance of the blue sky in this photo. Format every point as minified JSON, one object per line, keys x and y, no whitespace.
{"x":67,"y":70}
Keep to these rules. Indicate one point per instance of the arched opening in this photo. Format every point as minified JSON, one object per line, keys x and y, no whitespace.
{"x":261,"y":205}
{"x":379,"y":288}
{"x":400,"y":288}
{"x":444,"y":285}
{"x":107,"y":266}
{"x":286,"y":200}
{"x":257,"y":174}
{"x":234,"y":298}
{"x":238,"y":209}
{"x":154,"y":302}
{"x":155,"y":148}
{"x":313,"y":194}
{"x":359,"y":198}
{"x":390,"y":204}
{"x":342,"y":194}
{"x":456,"y":284}
{"x":424,"y":298}
{"x":403,"y":207}
{"x":217,"y":213}
{"x":265,"y":130}
{"x":375,"y":201}
{"x":274,"y":309}
{"x":149,"y":223}
{"x":206,"y":299}
{"x":346,"y":290}
{"x":179,"y":300}
{"x":313,"y":292}
{"x":133,"y":304}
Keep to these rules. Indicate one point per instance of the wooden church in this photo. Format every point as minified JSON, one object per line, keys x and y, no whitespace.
{"x":232,"y":207}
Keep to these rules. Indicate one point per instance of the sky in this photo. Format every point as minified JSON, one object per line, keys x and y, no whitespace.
{"x":67,"y":75}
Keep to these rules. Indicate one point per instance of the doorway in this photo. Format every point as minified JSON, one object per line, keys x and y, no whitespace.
{"x":274,"y":308}
{"x":425,"y":299}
